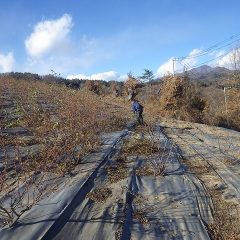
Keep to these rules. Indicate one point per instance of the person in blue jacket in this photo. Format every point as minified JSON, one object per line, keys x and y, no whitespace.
{"x":137,"y":109}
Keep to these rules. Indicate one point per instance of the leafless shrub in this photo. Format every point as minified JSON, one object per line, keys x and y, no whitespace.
{"x":22,"y":186}
{"x":150,"y":146}
{"x":65,"y":123}
{"x":62,"y":120}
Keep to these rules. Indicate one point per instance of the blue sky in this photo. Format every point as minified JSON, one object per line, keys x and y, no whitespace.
{"x":109,"y":38}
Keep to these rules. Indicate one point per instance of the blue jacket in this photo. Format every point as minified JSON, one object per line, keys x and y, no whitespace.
{"x":136,"y":107}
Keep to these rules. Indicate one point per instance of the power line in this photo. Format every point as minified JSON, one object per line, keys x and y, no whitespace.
{"x":188,"y":66}
{"x":227,"y":42}
{"x":220,"y":56}
{"x":205,"y":53}
{"x":214,"y":47}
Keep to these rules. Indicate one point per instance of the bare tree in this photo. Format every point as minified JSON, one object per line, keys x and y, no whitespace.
{"x":235,"y":62}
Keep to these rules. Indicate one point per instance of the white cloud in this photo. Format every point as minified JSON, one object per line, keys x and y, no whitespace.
{"x":107,"y":76}
{"x":50,"y":46}
{"x":111,"y":75}
{"x":6,"y":62}
{"x":188,"y":61}
{"x":195,"y":52}
{"x":64,"y":55}
{"x":78,"y":76}
{"x":191,"y":58}
{"x":229,"y":60}
{"x":224,"y":61}
{"x":165,"y":68}
{"x":48,"y":36}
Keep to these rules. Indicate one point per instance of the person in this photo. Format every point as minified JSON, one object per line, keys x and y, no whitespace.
{"x":137,"y":109}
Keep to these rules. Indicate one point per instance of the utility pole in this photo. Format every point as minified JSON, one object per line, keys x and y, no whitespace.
{"x":185,"y":70}
{"x":225,"y":98}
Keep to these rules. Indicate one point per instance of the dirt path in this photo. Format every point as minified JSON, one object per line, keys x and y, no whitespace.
{"x":213,"y":156}
{"x":172,"y":206}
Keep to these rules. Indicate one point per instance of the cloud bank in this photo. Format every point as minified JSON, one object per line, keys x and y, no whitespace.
{"x":107,"y":76}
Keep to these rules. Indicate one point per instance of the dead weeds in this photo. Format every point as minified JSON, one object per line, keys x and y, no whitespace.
{"x":141,"y":216}
{"x":100,"y":195}
{"x":226,"y":225}
{"x":66,"y":123}
{"x":226,"y":215}
{"x":117,"y":173}
{"x":139,"y":147}
{"x":118,"y":235}
{"x":148,"y":170}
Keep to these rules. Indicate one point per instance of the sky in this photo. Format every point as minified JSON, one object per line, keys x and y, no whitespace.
{"x":109,"y":38}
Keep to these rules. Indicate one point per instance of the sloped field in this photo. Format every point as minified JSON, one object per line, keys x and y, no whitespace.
{"x":168,"y":180}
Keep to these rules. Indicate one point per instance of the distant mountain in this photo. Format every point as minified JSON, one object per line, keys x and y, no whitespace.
{"x":205,"y":69}
{"x":201,"y":70}
{"x":207,"y":74}
{"x":204,"y":74}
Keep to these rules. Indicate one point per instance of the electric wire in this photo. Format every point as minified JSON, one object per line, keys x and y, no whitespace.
{"x":214,"y":47}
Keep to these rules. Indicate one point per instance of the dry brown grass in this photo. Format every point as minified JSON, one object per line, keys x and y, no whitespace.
{"x":146,"y":170}
{"x":179,"y":99}
{"x":117,"y":172}
{"x":141,"y":216}
{"x":118,"y":234}
{"x":226,"y":225}
{"x":100,"y":195}
{"x":61,"y":119}
{"x":151,"y":168}
{"x":139,"y":147}
{"x":223,"y":109}
{"x":131,"y":83}
{"x":66,"y":123}
{"x":226,"y":214}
